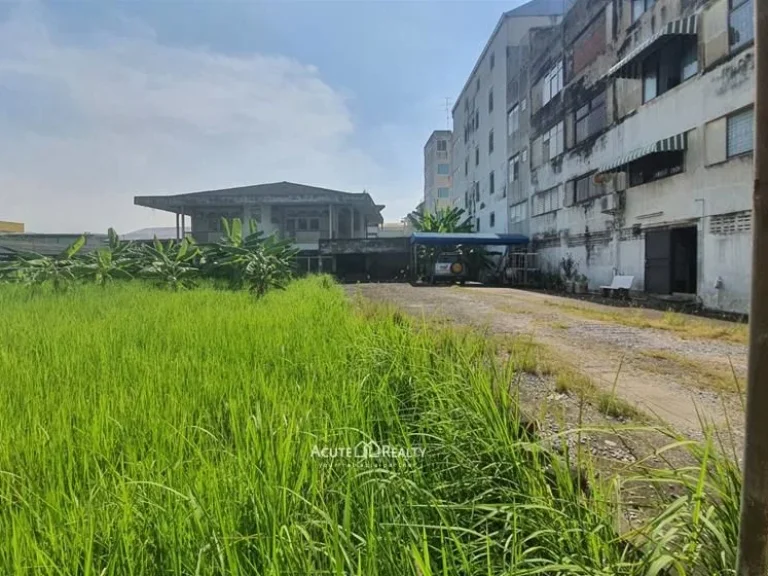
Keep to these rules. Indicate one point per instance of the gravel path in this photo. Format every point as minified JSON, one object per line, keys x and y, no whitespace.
{"x":678,"y":380}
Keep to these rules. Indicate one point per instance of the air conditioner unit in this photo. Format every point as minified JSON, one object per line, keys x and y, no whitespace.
{"x":609,"y":204}
{"x":620,"y":181}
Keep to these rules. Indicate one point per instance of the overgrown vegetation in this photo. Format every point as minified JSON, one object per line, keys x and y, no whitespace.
{"x":684,"y":325}
{"x":182,"y":432}
{"x":238,"y":260}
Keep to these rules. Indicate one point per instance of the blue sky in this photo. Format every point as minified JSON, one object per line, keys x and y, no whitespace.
{"x":101,"y":101}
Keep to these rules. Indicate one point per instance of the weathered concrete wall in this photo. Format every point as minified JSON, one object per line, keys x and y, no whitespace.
{"x":365,"y":246}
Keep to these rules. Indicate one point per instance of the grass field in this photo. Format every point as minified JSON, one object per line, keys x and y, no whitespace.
{"x":206,"y":432}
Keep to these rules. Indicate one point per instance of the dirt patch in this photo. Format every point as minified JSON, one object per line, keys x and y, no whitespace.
{"x":674,"y":375}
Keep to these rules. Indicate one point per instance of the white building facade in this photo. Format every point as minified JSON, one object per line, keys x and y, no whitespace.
{"x":438,"y":171}
{"x":480,"y":158}
{"x":654,"y":175}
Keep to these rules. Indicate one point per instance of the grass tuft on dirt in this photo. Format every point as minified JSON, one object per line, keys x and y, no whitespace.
{"x":683,"y":325}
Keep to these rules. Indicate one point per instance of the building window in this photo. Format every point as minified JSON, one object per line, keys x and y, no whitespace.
{"x":493,"y":60}
{"x":443,"y":169}
{"x":442,"y":146}
{"x":513,"y":167}
{"x":553,"y":83}
{"x":466,"y":166}
{"x":690,"y":61}
{"x":443,"y":192}
{"x":490,"y":101}
{"x":650,"y":79}
{"x":490,"y":142}
{"x":640,"y":6}
{"x":582,"y":189}
{"x":492,"y":219}
{"x":741,"y":29}
{"x":590,"y":118}
{"x":740,"y":133}
{"x":547,"y":201}
{"x":655,"y":167}
{"x":491,"y":183}
{"x":477,"y":156}
{"x":477,"y":224}
{"x":513,"y":120}
{"x":552,"y":142}
{"x":476,"y":186}
{"x":518,"y":212}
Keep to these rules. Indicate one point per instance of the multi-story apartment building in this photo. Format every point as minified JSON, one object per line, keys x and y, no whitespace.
{"x":437,"y":171}
{"x":480,"y":132}
{"x":641,"y":135}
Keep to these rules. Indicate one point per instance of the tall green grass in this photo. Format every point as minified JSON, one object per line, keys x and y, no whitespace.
{"x":146,"y":432}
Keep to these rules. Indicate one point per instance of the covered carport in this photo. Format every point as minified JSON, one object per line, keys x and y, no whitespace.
{"x":456,"y":241}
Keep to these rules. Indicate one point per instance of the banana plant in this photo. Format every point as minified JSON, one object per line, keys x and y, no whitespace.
{"x":33,"y":268}
{"x":255,"y":261}
{"x":173,"y":265}
{"x":103,"y":266}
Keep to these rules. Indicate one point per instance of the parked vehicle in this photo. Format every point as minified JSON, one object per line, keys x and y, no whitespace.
{"x":450,"y":267}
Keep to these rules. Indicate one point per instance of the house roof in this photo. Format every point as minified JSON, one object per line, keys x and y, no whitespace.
{"x":272,"y":193}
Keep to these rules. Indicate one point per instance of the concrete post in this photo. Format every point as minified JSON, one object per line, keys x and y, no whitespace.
{"x":183,"y":224}
{"x":178,"y":231}
{"x":330,"y":221}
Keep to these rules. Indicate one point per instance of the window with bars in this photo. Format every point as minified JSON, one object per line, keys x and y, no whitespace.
{"x":741,"y":29}
{"x":740,"y":139}
{"x":442,"y":146}
{"x":547,"y":201}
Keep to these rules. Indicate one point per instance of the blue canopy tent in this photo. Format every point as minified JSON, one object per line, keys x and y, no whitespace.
{"x":461,"y":239}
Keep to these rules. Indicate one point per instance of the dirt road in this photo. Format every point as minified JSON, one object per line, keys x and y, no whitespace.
{"x":672,"y":374}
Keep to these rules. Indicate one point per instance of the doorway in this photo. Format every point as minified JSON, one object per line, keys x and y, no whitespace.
{"x":670,"y":260}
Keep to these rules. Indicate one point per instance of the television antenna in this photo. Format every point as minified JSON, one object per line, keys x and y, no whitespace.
{"x":448,"y":106}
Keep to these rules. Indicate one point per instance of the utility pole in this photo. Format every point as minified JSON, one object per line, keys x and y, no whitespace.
{"x":753,"y":533}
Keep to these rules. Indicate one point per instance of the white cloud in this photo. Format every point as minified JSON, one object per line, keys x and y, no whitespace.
{"x":95,"y":123}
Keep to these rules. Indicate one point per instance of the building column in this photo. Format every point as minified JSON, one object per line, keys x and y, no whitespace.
{"x":178,"y":232}
{"x":330,"y":221}
{"x":183,"y":224}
